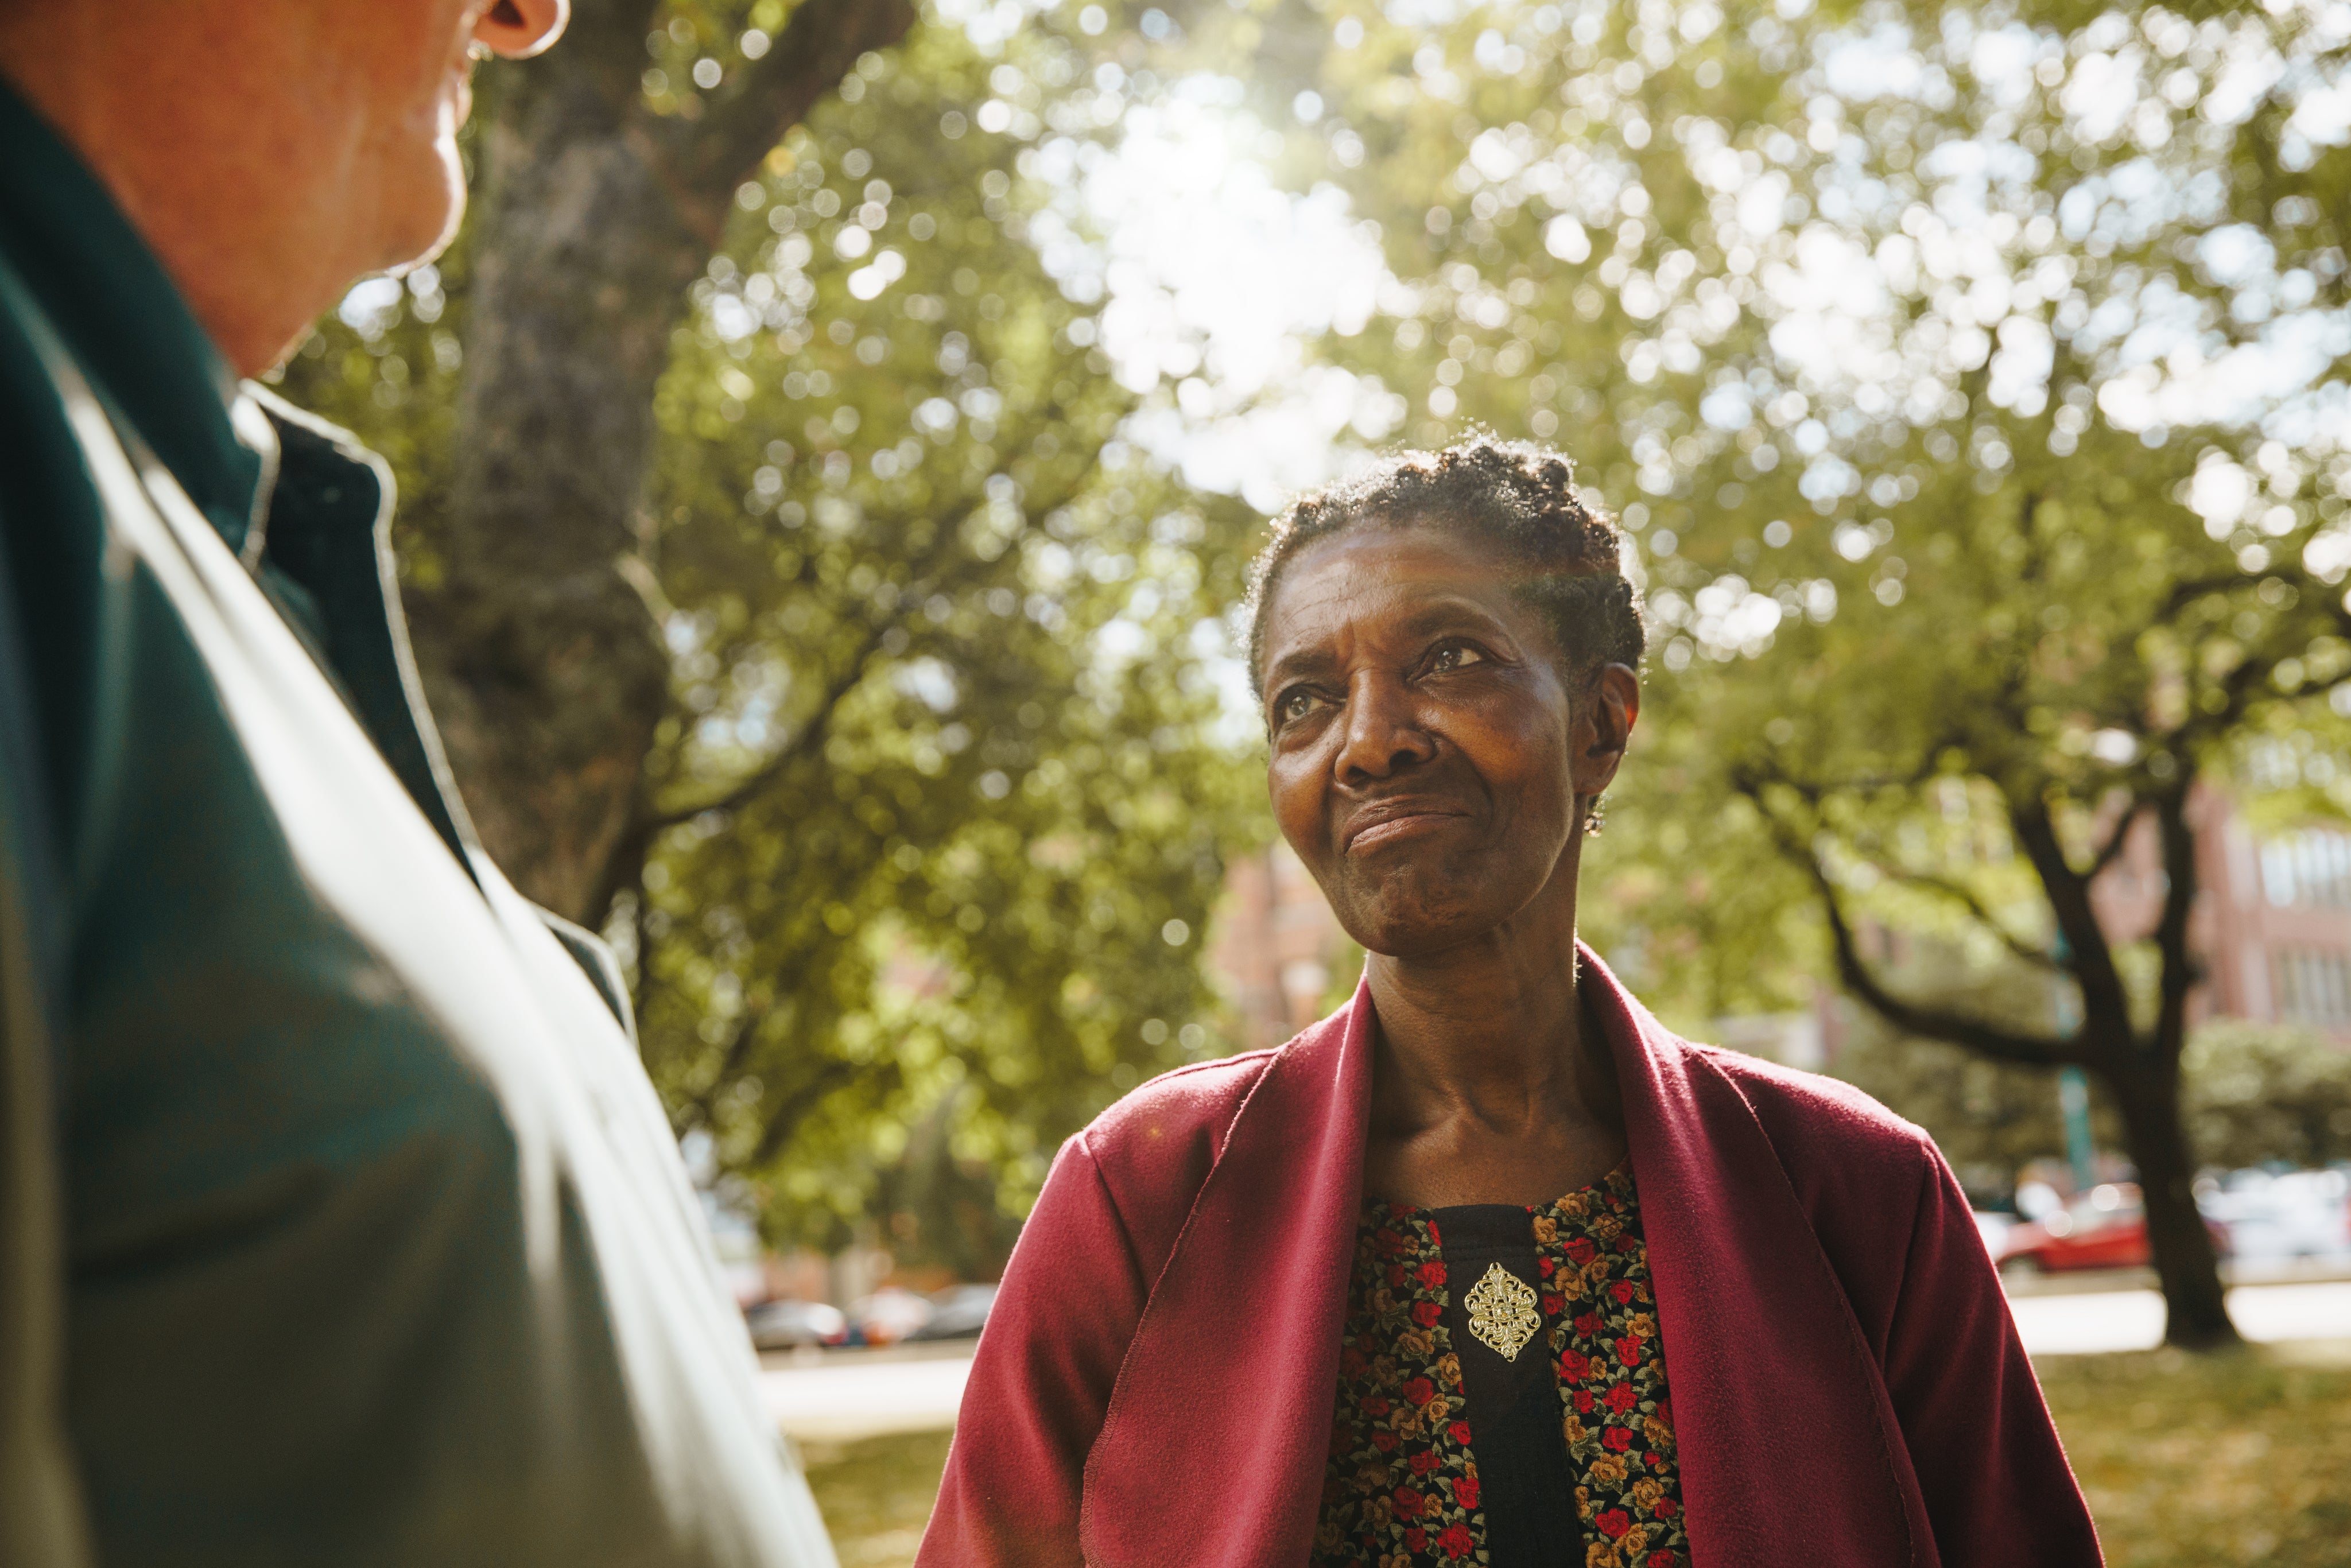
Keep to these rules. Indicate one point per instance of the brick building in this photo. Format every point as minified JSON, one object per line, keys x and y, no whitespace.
{"x":1275,"y":948}
{"x":2274,"y":922}
{"x":2272,"y":918}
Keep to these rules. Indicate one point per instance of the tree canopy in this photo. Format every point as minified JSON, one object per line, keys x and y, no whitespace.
{"x":933,"y":812}
{"x":2263,"y":1093}
{"x":1968,"y":376}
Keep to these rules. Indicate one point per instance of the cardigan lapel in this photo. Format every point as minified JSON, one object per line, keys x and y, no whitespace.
{"x":1211,"y":1455}
{"x":1789,"y":1452}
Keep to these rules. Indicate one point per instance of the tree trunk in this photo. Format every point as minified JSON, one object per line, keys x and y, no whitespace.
{"x":550,"y":675}
{"x":594,"y":216}
{"x":2147,"y":1094}
{"x":2142,"y":1074}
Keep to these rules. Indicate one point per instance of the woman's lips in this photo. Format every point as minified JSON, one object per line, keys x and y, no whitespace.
{"x":1388,"y":830}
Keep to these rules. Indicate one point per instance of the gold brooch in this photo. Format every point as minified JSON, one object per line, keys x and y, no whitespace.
{"x":1502,"y":1313}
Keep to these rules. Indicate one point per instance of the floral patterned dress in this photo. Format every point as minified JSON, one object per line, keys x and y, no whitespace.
{"x":1443,"y":1453}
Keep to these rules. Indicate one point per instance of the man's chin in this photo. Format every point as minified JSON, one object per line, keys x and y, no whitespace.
{"x":425,"y":223}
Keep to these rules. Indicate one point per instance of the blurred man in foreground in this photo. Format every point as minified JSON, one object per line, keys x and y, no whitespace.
{"x":339,"y":1223}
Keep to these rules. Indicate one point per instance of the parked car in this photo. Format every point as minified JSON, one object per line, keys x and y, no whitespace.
{"x":2274,"y":1216}
{"x":788,"y":1325}
{"x":959,"y":1312}
{"x":890,"y":1314}
{"x":2105,"y":1227}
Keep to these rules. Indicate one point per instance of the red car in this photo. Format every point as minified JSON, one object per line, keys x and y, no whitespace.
{"x":2105,"y":1227}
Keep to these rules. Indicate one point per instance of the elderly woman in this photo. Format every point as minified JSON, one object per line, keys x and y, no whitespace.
{"x":1488,"y":1267}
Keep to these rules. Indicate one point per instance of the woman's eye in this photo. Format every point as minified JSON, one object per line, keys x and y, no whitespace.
{"x":1455,"y":656}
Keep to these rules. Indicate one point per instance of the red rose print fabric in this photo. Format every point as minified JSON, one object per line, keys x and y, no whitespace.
{"x":1400,"y":1488}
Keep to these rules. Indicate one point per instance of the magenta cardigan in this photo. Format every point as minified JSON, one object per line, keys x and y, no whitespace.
{"x":1156,"y":1383}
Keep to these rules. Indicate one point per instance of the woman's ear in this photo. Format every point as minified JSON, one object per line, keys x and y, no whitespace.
{"x":1604,"y":724}
{"x":520,"y":28}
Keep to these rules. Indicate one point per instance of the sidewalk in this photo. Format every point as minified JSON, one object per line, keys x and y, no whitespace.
{"x":2087,"y":1323}
{"x":2233,"y":1272}
{"x":851,"y":1395}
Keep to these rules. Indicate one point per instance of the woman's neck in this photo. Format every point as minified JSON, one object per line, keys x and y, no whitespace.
{"x":1486,"y":1086}
{"x":1495,"y":1034}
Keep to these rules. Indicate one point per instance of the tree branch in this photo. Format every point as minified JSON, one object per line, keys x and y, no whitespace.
{"x":738,"y":1051}
{"x":811,"y":734}
{"x":819,"y":722}
{"x":1961,"y":894}
{"x":648,"y":979}
{"x":2089,"y":955}
{"x":2111,"y":850}
{"x":1911,"y":1018}
{"x":2184,"y":594}
{"x":819,"y":46}
{"x":624,"y":868}
{"x":2028,"y":520}
{"x":1915,"y":1018}
{"x":795,"y":1107}
{"x":607,"y":37}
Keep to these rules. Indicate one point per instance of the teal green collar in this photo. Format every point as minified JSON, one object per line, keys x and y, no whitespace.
{"x":122,"y":316}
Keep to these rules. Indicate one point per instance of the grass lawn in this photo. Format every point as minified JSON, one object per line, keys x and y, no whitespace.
{"x":877,"y":1494}
{"x":2187,"y":1461}
{"x":2237,"y":1459}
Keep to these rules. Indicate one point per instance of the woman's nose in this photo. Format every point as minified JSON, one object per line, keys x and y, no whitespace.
{"x":1382,"y":734}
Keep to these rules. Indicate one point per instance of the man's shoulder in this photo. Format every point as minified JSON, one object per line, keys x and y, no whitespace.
{"x":45,"y":480}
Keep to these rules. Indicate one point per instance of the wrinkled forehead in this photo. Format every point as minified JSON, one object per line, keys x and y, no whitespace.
{"x":1382,"y":580}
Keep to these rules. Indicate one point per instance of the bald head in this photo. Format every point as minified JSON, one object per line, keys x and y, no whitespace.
{"x":272,"y":152}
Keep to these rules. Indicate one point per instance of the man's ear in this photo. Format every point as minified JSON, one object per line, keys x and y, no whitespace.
{"x":518,"y":29}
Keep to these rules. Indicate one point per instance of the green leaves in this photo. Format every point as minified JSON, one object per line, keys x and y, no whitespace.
{"x":1861,"y":321}
{"x":1881,"y":329}
{"x":941,"y":675}
{"x":930,"y":831}
{"x":2263,"y":1093}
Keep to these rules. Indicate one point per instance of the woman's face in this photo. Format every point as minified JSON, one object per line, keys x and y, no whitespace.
{"x":1428,"y":752}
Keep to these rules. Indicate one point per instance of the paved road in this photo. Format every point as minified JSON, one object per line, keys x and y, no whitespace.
{"x":850,"y":1397}
{"x":2133,"y":1320}
{"x":843,"y":1399}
